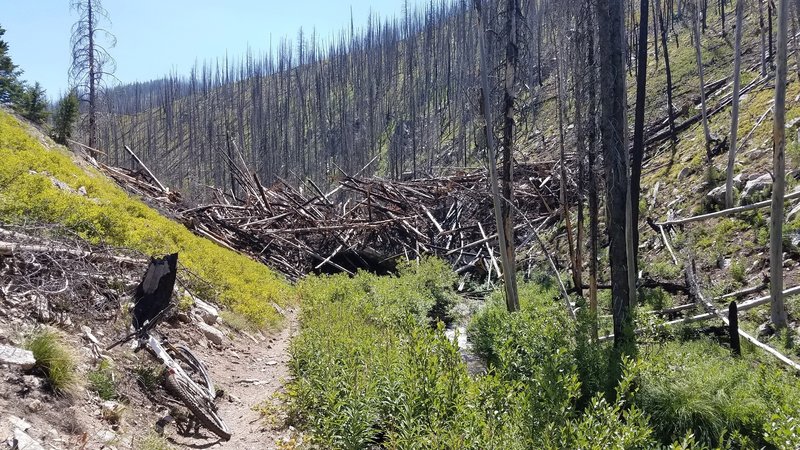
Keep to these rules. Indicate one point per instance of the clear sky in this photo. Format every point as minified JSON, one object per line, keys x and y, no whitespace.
{"x":156,"y":37}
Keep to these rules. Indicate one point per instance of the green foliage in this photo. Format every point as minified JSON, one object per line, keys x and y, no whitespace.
{"x":101,"y":381}
{"x":33,"y":104}
{"x":54,"y":360}
{"x":737,"y":271}
{"x":782,"y":430}
{"x":107,"y":214}
{"x":655,"y":298}
{"x":153,"y":441}
{"x":148,"y":377}
{"x":65,"y":117}
{"x":371,"y":370}
{"x":699,"y":388}
{"x":10,"y":87}
{"x":665,"y":270}
{"x":236,"y":321}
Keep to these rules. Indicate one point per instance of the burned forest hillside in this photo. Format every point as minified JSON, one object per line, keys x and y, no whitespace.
{"x":475,"y":224}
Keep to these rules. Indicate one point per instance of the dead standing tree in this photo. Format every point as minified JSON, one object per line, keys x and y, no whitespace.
{"x":614,"y":142}
{"x":506,"y":252}
{"x":778,"y":310}
{"x":90,"y":59}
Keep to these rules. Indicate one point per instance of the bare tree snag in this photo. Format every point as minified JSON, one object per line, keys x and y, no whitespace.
{"x":778,"y":310}
{"x":509,"y":277}
{"x":637,"y":154}
{"x":737,"y":63}
{"x":700,"y":71}
{"x":613,"y":127}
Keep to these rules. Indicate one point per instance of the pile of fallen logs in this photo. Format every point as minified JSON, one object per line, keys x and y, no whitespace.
{"x":52,"y":274}
{"x":362,"y":223}
{"x":367,"y":223}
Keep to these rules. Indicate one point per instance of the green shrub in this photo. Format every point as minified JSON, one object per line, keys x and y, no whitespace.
{"x":665,"y":270}
{"x":102,"y":381}
{"x":655,"y":298}
{"x":54,"y":360}
{"x":737,"y":271}
{"x":152,"y":441}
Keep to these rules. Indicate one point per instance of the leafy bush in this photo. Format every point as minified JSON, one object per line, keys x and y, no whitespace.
{"x":655,"y":298}
{"x":737,"y":271}
{"x":102,"y":381}
{"x":664,"y":270}
{"x":107,"y":214}
{"x":54,"y":360}
{"x":370,"y":370}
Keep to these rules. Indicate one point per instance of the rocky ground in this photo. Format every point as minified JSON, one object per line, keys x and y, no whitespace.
{"x":248,"y":367}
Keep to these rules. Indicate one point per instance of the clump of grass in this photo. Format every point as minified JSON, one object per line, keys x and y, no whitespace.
{"x":148,"y":377}
{"x":102,"y":381}
{"x":236,"y":321}
{"x":54,"y":360}
{"x":185,"y":302}
{"x":665,"y":270}
{"x":154,"y":442}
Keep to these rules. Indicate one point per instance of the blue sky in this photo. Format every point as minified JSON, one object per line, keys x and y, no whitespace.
{"x":156,"y":37}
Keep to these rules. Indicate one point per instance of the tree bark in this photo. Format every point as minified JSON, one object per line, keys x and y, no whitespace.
{"x":778,"y":310}
{"x":701,"y":72}
{"x":92,"y":81}
{"x":664,"y":43}
{"x":507,"y":174}
{"x":638,"y":129}
{"x":613,"y":131}
{"x":763,"y":65}
{"x":509,"y":278}
{"x":737,"y":64}
{"x":594,"y":209}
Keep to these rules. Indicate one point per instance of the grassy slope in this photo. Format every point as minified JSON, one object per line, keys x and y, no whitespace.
{"x":107,"y":214}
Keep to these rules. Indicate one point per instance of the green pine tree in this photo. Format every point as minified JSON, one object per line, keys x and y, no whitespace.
{"x":65,"y":117}
{"x":33,"y":104}
{"x":10,"y":86}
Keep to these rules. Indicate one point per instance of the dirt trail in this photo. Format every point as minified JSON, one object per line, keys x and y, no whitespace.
{"x":250,"y":371}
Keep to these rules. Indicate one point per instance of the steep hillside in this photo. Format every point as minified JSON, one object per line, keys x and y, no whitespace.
{"x":45,"y":183}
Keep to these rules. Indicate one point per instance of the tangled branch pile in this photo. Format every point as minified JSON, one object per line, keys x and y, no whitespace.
{"x":55,"y":274}
{"x":363,"y":223}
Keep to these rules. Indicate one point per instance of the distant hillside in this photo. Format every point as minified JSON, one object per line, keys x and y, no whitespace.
{"x":400,"y":96}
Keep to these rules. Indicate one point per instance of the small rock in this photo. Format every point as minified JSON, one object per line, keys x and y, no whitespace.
{"x":183,"y":317}
{"x":717,"y":195}
{"x":234,"y":399}
{"x":272,"y":363}
{"x":211,"y":333}
{"x":82,"y":190}
{"x":106,"y":436}
{"x":739,"y":181}
{"x":685,"y":172}
{"x":24,"y":441}
{"x":206,"y":311}
{"x":19,"y":423}
{"x":766,"y":329}
{"x":111,"y":411}
{"x":17,"y":357}
{"x":35,"y":405}
{"x":758,"y":186}
{"x":32,"y":382}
